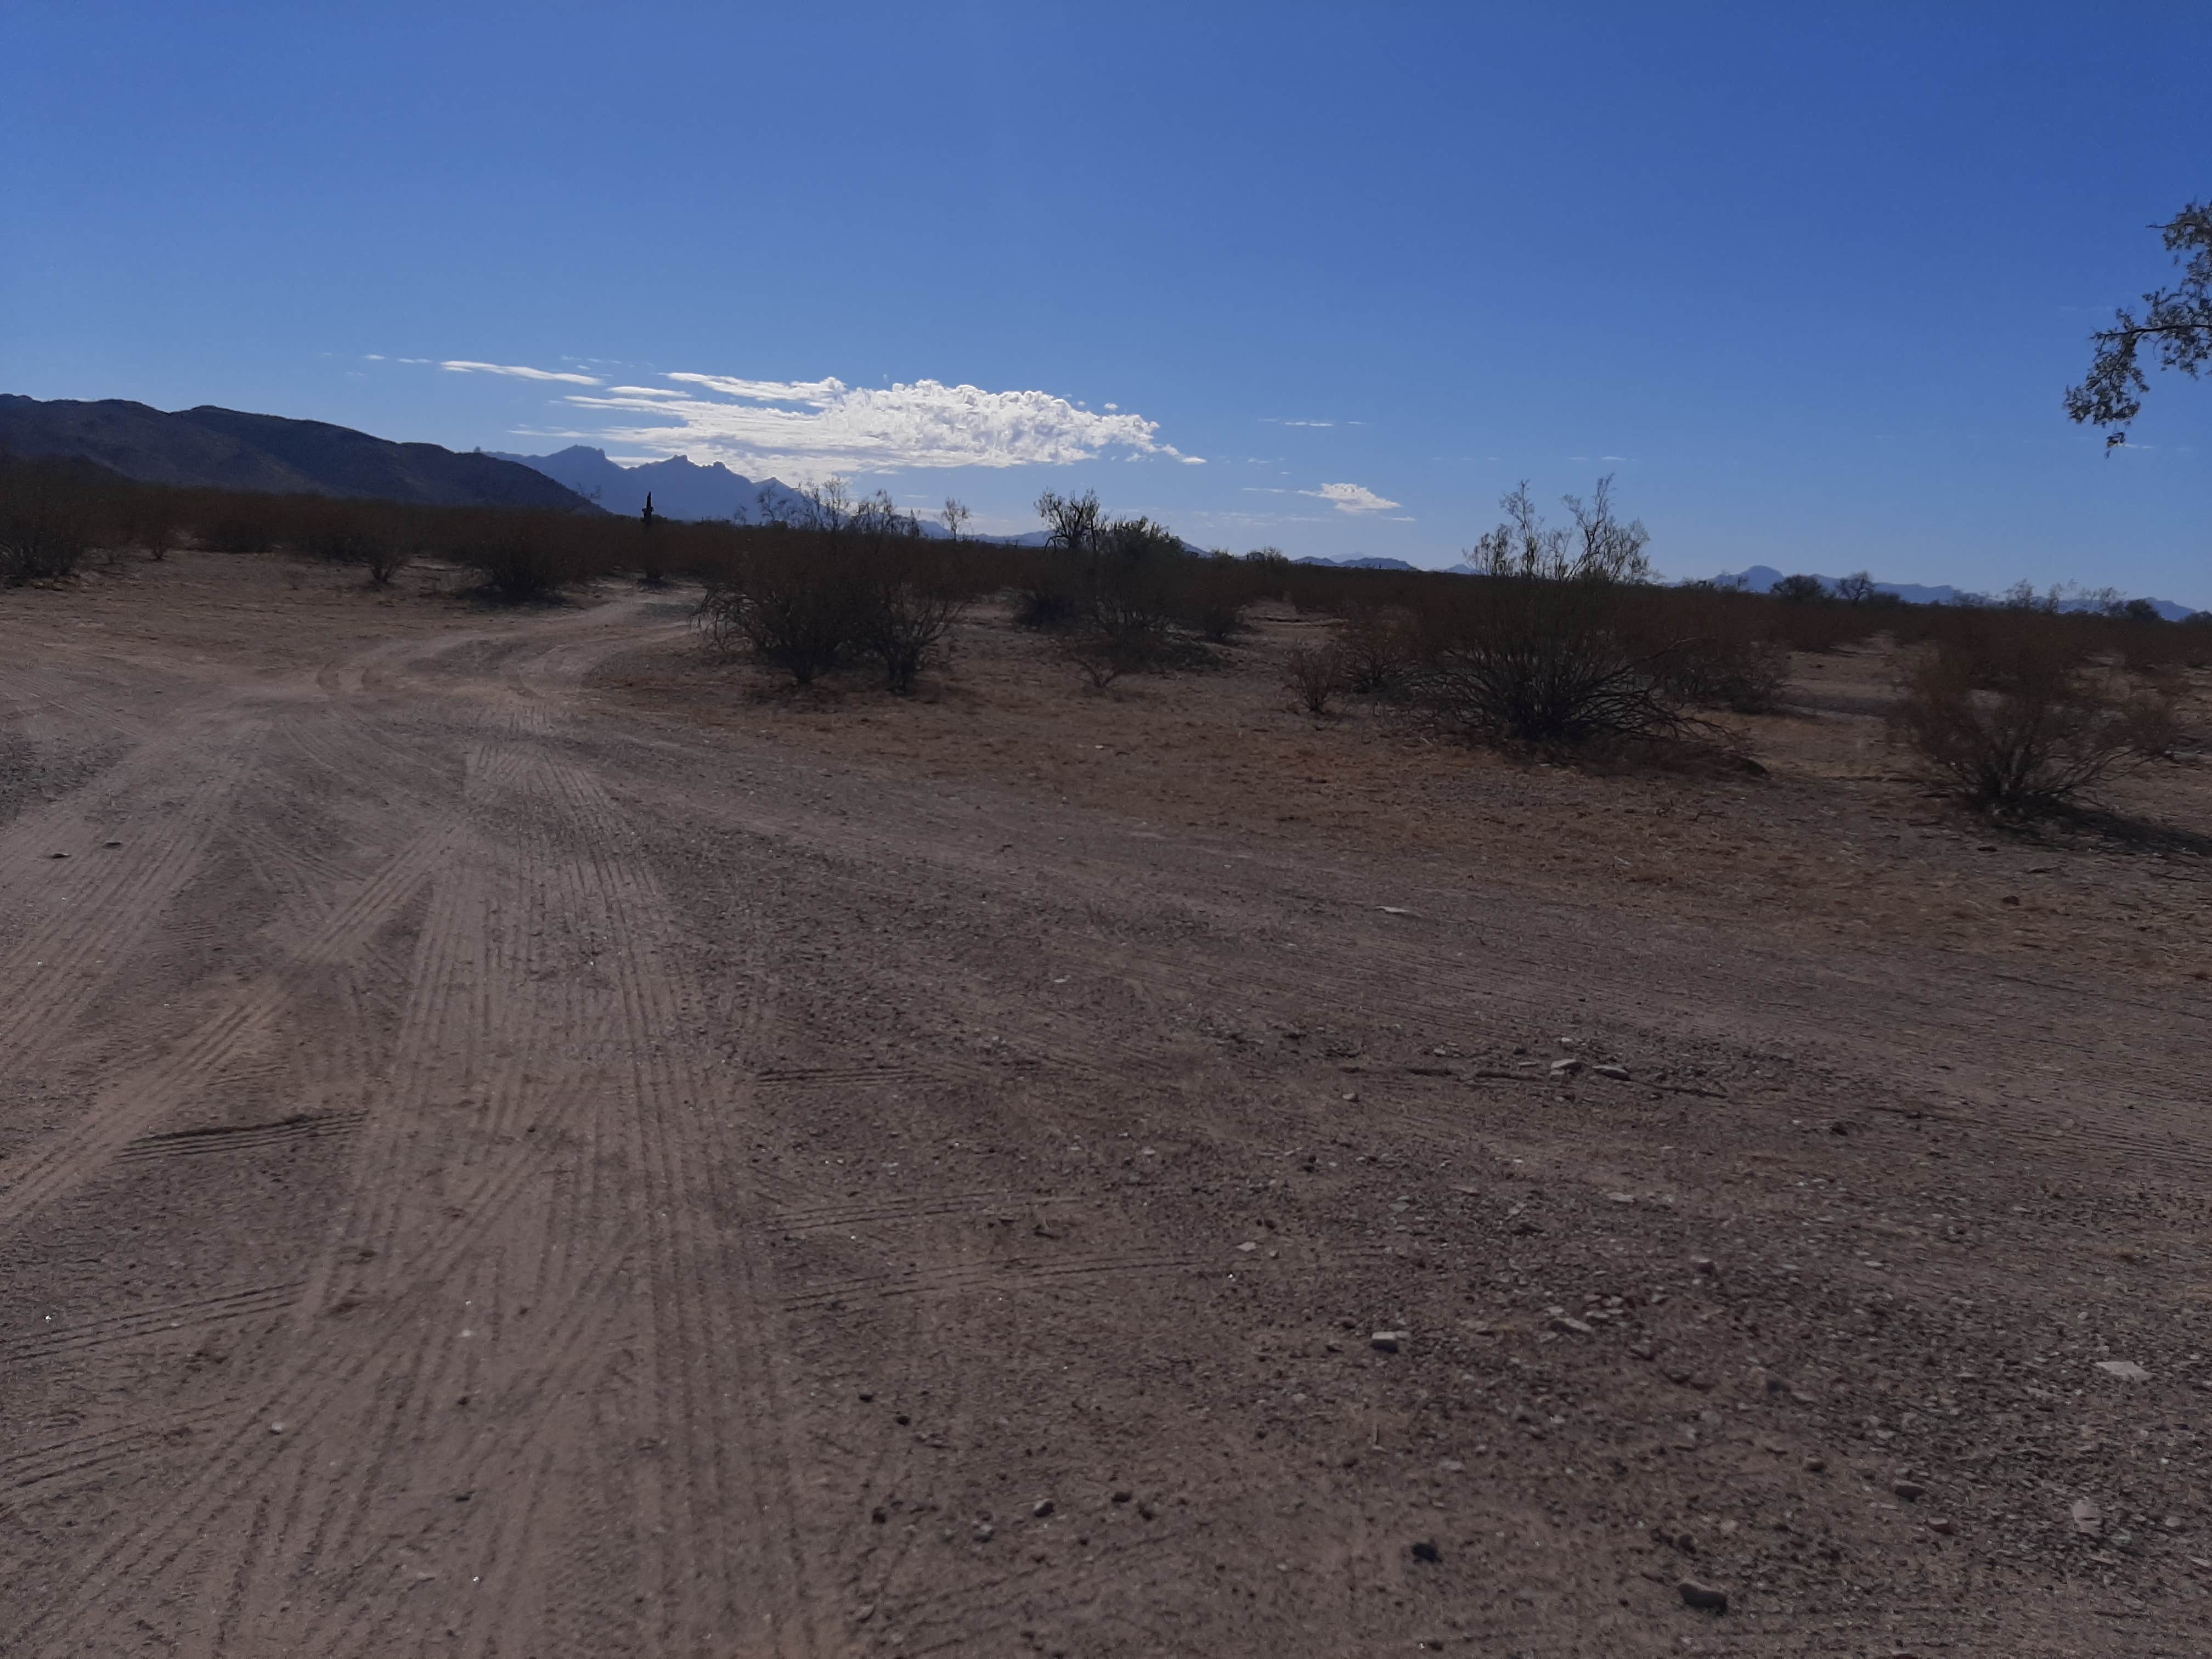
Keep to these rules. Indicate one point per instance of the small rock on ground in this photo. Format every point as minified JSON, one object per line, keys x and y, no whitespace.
{"x":1704,"y":1597}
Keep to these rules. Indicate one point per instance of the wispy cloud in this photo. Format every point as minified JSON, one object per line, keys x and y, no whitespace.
{"x":460,"y":367}
{"x":1269,"y":420}
{"x":1350,"y":498}
{"x":826,"y":426}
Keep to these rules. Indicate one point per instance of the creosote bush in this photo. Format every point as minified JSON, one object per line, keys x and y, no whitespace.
{"x":1539,"y":648}
{"x":1313,"y":675}
{"x":2020,"y":726}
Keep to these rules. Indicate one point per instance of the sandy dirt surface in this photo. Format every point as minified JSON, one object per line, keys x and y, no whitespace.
{"x":512,"y":1144}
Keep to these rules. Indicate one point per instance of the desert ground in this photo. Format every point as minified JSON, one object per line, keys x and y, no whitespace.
{"x":518,"y":1139}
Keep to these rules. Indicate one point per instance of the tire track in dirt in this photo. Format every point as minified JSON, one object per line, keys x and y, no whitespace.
{"x":238,"y":1469}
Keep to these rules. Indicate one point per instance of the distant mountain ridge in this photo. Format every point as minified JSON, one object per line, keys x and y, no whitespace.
{"x":680,"y":488}
{"x":213,"y":448}
{"x":1762,"y":578}
{"x":1359,"y":563}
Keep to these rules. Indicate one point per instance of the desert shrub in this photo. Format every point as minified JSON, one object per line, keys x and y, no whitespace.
{"x":909,"y":604}
{"x":46,"y":523}
{"x":242,"y":527}
{"x":1048,"y":603}
{"x":1799,"y":590}
{"x":2020,"y":726}
{"x":1735,"y":669}
{"x":1539,"y":650}
{"x":1376,"y":650}
{"x":1313,"y":675}
{"x":520,"y":558}
{"x":1214,"y":592}
{"x":797,"y":605}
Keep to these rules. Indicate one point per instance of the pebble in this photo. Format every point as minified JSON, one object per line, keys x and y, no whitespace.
{"x":1944,"y":1527}
{"x":1910,"y":1491}
{"x":1618,"y":1073}
{"x":2088,"y":1519}
{"x":1041,"y":1508}
{"x":1572,"y":1326}
{"x":1452,"y":1466}
{"x":1704,"y":1597}
{"x":1643,"y":1350}
{"x":1816,"y":1466}
{"x":1425,"y":1550}
{"x":2126,"y":1370}
{"x":1387,"y":1341}
{"x":1704,"y":1264}
{"x":985,"y":1533}
{"x":1566,"y":1067}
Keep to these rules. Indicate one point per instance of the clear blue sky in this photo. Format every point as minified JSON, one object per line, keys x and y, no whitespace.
{"x":1811,"y":289}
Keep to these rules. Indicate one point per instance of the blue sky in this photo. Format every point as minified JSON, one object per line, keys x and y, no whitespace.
{"x":1810,"y":288}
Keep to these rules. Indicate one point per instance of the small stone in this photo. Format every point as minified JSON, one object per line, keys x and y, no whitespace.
{"x":865,"y":1611}
{"x":866,"y":1395}
{"x":2088,"y":1519}
{"x":1621,"y":1198}
{"x":1816,"y":1466}
{"x":2126,"y":1370}
{"x":1704,"y":1264}
{"x":1910,"y":1491}
{"x":1618,"y":1073}
{"x":1566,"y":1067}
{"x":1425,"y":1550}
{"x":58,"y":855}
{"x":1123,"y":1497}
{"x":1452,"y":1466}
{"x":1943,"y":1528}
{"x":1704,"y":1597}
{"x":985,"y":1533}
{"x":111,"y":843}
{"x":879,"y":1514}
{"x":1041,"y":1508}
{"x":1387,"y":1341}
{"x":1248,"y":1246}
{"x":1572,"y":1326}
{"x":1643,"y":1350}
{"x":275,"y":1428}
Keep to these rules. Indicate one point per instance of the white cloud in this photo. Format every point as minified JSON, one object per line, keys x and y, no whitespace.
{"x":1350,"y":498}
{"x":459,"y":367}
{"x":826,"y":426}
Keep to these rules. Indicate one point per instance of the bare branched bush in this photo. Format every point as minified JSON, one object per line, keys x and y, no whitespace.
{"x":1735,"y":669}
{"x":2018,"y":729}
{"x":46,"y":524}
{"x":910,"y":605}
{"x":1540,"y":650}
{"x":1315,"y":674}
{"x":793,"y":604}
{"x":1377,"y":649}
{"x":520,"y":556}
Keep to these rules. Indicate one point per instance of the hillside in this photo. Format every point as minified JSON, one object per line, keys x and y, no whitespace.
{"x":230,"y":449}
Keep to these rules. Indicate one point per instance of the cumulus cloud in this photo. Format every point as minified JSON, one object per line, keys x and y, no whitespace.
{"x":1350,"y":498}
{"x":826,"y":426}
{"x":459,"y":367}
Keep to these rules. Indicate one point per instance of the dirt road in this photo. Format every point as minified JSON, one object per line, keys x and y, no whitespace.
{"x":488,"y":1171}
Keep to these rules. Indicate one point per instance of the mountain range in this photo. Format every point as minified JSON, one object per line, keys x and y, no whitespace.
{"x":216,"y":448}
{"x":1762,"y":578}
{"x":680,"y":488}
